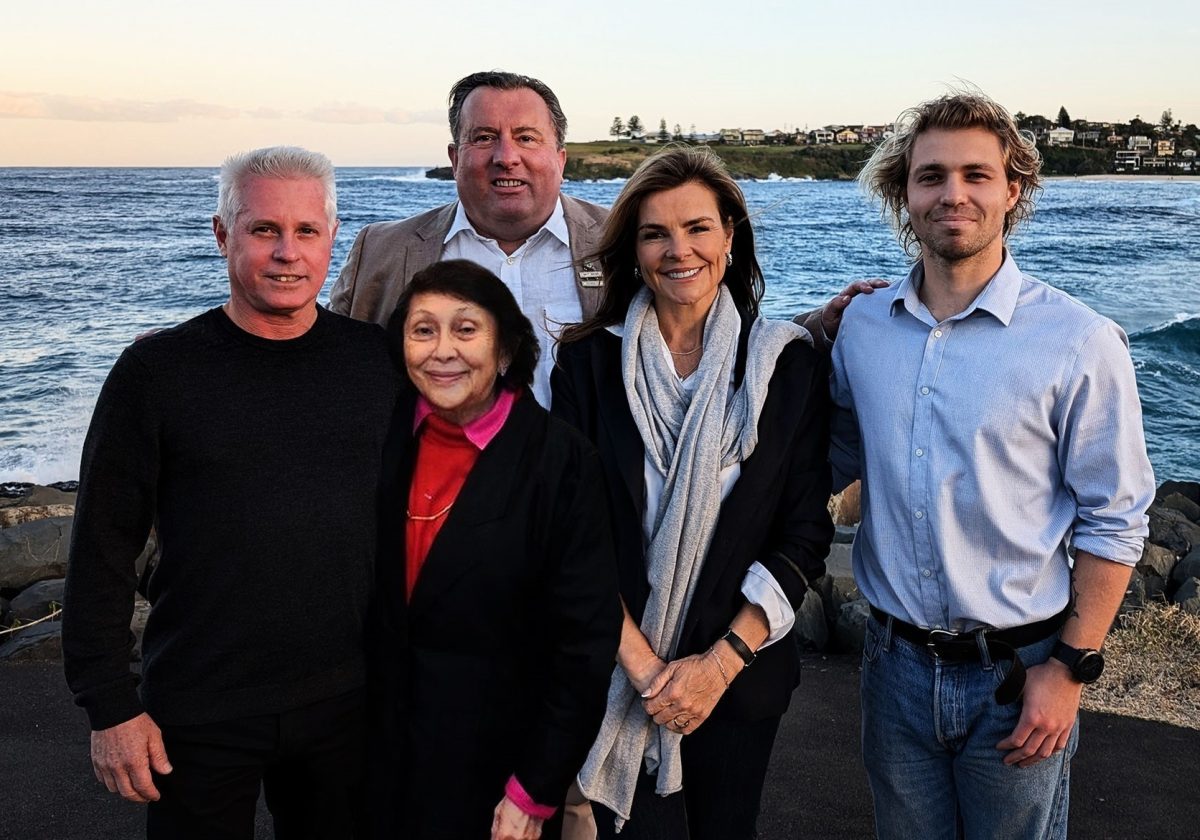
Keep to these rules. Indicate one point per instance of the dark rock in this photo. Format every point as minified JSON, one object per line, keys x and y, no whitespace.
{"x":844,"y":533}
{"x":5,"y":612}
{"x":440,"y":173}
{"x":839,"y":562}
{"x":1188,"y":567}
{"x":1188,"y":596}
{"x":1187,"y":489}
{"x":1181,"y":503}
{"x":812,"y":633}
{"x":37,"y":643}
{"x":850,"y":631}
{"x":1171,"y":529}
{"x":846,"y":507}
{"x":14,"y":489}
{"x":36,"y":601}
{"x":1157,"y":560}
{"x":65,"y":486}
{"x":137,"y":626}
{"x":34,"y":551}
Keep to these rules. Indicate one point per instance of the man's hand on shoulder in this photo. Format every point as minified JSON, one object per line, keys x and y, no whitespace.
{"x":123,"y":756}
{"x":831,"y":312}
{"x":1050,"y":705}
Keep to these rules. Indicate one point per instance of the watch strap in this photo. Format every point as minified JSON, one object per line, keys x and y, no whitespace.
{"x":739,"y":647}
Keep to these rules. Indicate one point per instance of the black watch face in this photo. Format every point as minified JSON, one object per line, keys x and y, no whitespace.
{"x":1089,"y":667}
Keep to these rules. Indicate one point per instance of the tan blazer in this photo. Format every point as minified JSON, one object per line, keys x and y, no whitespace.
{"x":385,"y":255}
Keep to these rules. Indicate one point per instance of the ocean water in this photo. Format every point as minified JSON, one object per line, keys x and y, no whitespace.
{"x":89,"y":258}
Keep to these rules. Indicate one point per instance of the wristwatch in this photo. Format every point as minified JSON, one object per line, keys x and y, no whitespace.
{"x":1086,"y":664}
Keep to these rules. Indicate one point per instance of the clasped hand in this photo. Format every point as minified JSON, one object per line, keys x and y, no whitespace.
{"x":684,"y":693}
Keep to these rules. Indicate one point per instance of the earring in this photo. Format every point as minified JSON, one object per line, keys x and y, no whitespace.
{"x":503,"y":370}
{"x":637,"y":273}
{"x":728,"y":258}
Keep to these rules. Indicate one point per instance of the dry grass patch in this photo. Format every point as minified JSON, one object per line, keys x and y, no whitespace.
{"x":1152,"y":668}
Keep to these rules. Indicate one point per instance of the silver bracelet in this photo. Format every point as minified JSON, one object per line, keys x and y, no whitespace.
{"x":720,"y":667}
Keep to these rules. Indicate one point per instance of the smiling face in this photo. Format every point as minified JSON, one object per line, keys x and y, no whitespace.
{"x":958,"y":194}
{"x":278,"y":249}
{"x":682,"y":243}
{"x":507,"y":163}
{"x":452,"y":354}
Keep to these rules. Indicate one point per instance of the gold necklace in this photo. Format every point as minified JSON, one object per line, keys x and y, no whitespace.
{"x":695,"y":349}
{"x":431,"y":517}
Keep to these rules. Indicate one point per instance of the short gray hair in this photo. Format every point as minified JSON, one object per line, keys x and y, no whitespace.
{"x":272,"y":162}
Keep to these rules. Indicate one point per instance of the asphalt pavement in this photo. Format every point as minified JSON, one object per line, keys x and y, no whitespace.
{"x":1131,"y":778}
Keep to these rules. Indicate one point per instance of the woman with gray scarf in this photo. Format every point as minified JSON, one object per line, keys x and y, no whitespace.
{"x":711,"y":423}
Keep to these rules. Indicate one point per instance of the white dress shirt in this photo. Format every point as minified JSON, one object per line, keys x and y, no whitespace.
{"x":539,"y":274}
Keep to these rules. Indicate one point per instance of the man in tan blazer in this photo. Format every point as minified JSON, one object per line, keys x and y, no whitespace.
{"x":507,"y":156}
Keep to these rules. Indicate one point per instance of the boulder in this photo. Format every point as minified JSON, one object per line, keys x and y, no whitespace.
{"x":844,"y":534}
{"x":5,"y":613}
{"x":1181,"y":503}
{"x":37,"y":643}
{"x":1187,"y":489}
{"x":1188,"y":596}
{"x":851,"y":629}
{"x":812,"y":633}
{"x":846,"y":507}
{"x":35,"y":601}
{"x":1188,"y":567}
{"x":1156,"y":560}
{"x":11,"y":516}
{"x":34,"y":551}
{"x":1171,"y":529}
{"x":839,"y":561}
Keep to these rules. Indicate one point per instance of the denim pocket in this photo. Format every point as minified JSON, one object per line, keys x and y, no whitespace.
{"x":873,"y":633}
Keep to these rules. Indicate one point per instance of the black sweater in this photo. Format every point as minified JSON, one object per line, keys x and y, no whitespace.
{"x":258,"y":461}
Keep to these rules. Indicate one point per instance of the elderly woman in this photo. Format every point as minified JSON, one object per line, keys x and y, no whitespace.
{"x":712,"y":428}
{"x":498,"y":593}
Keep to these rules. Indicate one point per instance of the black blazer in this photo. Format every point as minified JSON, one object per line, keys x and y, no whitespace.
{"x":500,"y":663}
{"x":776,"y":513}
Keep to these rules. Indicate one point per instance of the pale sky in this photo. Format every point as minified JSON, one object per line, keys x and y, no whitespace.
{"x":164,"y":83}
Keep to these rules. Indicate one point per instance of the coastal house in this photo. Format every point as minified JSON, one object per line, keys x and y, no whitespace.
{"x":1060,"y":137}
{"x":1091,"y":136}
{"x":1188,"y":153}
{"x":1115,"y":139}
{"x":753,"y":137}
{"x":847,"y":135}
{"x":731,"y":136}
{"x":1138,"y":143}
{"x":1126,"y":160}
{"x":820,"y":135}
{"x":1166,"y":148}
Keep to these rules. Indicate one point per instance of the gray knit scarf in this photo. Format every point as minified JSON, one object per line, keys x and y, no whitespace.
{"x":689,"y":441}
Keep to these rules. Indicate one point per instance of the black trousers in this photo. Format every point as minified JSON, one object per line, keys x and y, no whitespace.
{"x":724,"y":768}
{"x":309,"y":763}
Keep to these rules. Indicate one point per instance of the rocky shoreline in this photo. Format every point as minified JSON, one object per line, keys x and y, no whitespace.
{"x":35,"y":534}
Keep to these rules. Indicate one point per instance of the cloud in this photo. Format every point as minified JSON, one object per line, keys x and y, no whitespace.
{"x":42,"y":106}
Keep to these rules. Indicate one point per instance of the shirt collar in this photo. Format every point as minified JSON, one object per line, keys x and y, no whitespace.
{"x":556,"y":225}
{"x":481,"y":430}
{"x":998,"y":298}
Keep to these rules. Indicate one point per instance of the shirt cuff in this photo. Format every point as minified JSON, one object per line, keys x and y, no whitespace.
{"x":517,"y":795}
{"x":761,"y":589}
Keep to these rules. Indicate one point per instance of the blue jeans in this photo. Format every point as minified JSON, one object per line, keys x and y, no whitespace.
{"x":929,"y":735}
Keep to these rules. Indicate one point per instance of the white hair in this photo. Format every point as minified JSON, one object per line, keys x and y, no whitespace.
{"x":272,"y":162}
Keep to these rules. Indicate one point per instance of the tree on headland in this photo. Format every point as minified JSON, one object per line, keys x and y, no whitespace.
{"x":663,"y":134}
{"x":635,"y":126}
{"x":678,"y":133}
{"x":618,"y":128}
{"x":1167,"y":122}
{"x":1064,"y":119}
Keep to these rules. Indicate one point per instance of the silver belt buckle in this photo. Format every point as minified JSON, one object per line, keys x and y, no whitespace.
{"x":936,"y":637}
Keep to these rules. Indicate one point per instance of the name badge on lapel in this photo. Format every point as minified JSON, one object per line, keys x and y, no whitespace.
{"x":590,"y":276}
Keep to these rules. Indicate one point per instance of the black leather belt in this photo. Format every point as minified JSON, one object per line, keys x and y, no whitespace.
{"x":965,"y":647}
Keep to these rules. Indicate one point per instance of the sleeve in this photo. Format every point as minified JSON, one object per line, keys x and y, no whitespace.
{"x":804,"y":530}
{"x":760,"y":588}
{"x":341,"y":296}
{"x":113,"y":515}
{"x":845,"y":449}
{"x":583,"y":617}
{"x":811,"y":321}
{"x":1102,"y":449}
{"x":564,"y":403}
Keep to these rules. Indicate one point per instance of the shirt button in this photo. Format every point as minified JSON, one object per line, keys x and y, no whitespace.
{"x":511,"y":260}
{"x":919,"y":514}
{"x":920,"y":452}
{"x":926,"y":573}
{"x":924,"y":392}
{"x":937,"y":333}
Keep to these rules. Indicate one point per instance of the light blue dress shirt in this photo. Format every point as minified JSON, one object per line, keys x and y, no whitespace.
{"x":987,"y":443}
